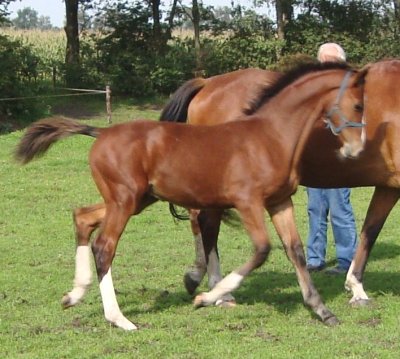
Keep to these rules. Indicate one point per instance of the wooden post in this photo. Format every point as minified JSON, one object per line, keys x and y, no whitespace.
{"x":54,"y":76}
{"x":108,"y":103}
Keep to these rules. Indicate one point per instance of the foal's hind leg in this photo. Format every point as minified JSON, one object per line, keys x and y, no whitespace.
{"x":104,"y":247}
{"x":283,"y":220}
{"x":86,"y":220}
{"x":253,"y":220}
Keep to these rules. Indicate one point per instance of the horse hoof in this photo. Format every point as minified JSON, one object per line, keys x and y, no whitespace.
{"x":332,"y":321}
{"x":125,"y":324}
{"x":190,"y":284}
{"x":66,"y":302}
{"x":223,"y":303}
{"x":359,"y":302}
{"x":199,"y":301}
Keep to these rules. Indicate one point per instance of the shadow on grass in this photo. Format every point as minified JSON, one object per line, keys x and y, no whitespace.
{"x":279,"y":289}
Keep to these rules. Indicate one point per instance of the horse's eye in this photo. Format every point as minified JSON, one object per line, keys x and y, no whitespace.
{"x":358,"y":108}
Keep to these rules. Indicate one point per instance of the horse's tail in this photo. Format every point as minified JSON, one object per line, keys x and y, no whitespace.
{"x":176,"y":110}
{"x":42,"y":134}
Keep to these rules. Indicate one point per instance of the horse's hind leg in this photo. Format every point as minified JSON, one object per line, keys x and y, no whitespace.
{"x":205,"y":227}
{"x":196,"y":273}
{"x":104,"y":247}
{"x":86,"y":220}
{"x":283,"y":220}
{"x":253,"y":220}
{"x":381,"y":204}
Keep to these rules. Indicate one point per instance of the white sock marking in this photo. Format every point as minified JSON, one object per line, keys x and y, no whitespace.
{"x":111,"y":309}
{"x":356,"y":287}
{"x":83,"y":275}
{"x":225,"y":286}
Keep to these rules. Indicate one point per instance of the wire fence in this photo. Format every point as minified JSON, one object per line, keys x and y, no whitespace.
{"x":81,"y":92}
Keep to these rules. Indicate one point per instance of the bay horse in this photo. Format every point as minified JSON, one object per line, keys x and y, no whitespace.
{"x":134,"y":164}
{"x":197,"y":100}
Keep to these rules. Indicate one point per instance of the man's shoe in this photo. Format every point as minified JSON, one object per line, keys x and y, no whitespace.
{"x":312,"y":268}
{"x":336,"y":271}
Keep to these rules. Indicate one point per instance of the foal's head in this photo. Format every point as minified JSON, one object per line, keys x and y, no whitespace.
{"x":344,"y":113}
{"x":333,"y":89}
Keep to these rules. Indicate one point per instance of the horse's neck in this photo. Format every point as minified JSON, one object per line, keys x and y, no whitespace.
{"x":293,"y":113}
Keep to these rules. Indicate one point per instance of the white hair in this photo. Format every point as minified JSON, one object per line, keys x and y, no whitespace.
{"x":331,"y":51}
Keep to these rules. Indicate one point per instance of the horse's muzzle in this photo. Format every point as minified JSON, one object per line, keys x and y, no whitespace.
{"x":351,"y":150}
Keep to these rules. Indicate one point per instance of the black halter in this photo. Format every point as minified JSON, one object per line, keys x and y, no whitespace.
{"x":335,"y":108}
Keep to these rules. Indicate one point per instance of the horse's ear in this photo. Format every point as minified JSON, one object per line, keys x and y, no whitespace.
{"x":360,"y":76}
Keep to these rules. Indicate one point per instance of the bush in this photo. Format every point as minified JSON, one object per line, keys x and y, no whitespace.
{"x":18,"y":73}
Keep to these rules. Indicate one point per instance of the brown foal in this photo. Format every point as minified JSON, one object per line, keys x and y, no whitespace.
{"x":249,"y":165}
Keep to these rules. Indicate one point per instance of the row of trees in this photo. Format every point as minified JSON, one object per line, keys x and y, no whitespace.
{"x":136,"y":48}
{"x":29,"y":18}
{"x":368,"y":29}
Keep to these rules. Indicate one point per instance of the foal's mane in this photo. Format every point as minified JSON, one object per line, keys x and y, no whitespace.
{"x":289,"y":77}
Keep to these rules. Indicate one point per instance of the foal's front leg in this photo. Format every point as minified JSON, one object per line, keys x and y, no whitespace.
{"x":253,"y":220}
{"x":283,"y":219}
{"x":86,"y":220}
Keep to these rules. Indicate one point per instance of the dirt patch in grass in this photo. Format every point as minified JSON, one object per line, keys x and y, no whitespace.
{"x":74,"y":110}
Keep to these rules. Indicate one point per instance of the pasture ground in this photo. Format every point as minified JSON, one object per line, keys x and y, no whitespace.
{"x":37,"y":251}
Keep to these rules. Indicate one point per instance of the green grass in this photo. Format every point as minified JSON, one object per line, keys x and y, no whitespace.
{"x":37,"y":252}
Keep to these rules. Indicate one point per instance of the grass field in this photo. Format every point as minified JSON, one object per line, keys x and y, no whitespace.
{"x":37,"y":251}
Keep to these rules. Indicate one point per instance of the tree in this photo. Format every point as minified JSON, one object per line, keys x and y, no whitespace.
{"x":27,"y":18}
{"x":161,"y":31}
{"x":3,"y":10}
{"x":72,"y":32}
{"x":44,"y":23}
{"x":284,"y":14}
{"x":196,"y":25}
{"x":396,"y":5}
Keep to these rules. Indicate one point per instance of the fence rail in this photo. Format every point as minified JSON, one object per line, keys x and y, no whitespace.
{"x":82,"y":92}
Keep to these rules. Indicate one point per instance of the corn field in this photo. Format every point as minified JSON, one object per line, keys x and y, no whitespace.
{"x":47,"y":46}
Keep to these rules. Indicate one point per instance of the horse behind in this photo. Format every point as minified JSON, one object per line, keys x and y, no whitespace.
{"x":137,"y":163}
{"x":378,"y":165}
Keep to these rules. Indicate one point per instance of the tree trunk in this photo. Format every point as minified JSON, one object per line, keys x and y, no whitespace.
{"x":72,"y":50}
{"x":171,"y":19}
{"x":196,"y":26}
{"x":155,"y":6}
{"x":396,"y":4}
{"x":284,"y":13}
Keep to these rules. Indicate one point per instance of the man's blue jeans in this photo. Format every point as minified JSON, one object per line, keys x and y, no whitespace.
{"x":336,"y":202}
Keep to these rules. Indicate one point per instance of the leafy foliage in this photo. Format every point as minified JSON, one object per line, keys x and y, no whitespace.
{"x":119,"y":46}
{"x":18,"y":72}
{"x":366,"y":29}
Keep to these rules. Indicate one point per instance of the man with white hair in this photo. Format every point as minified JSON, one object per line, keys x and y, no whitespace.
{"x":333,"y":201}
{"x":331,"y":52}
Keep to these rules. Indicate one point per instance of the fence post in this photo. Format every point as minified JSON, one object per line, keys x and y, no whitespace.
{"x":108,"y":103}
{"x":54,"y":76}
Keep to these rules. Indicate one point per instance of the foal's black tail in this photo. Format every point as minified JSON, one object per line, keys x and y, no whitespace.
{"x":176,"y":110}
{"x":42,"y":134}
